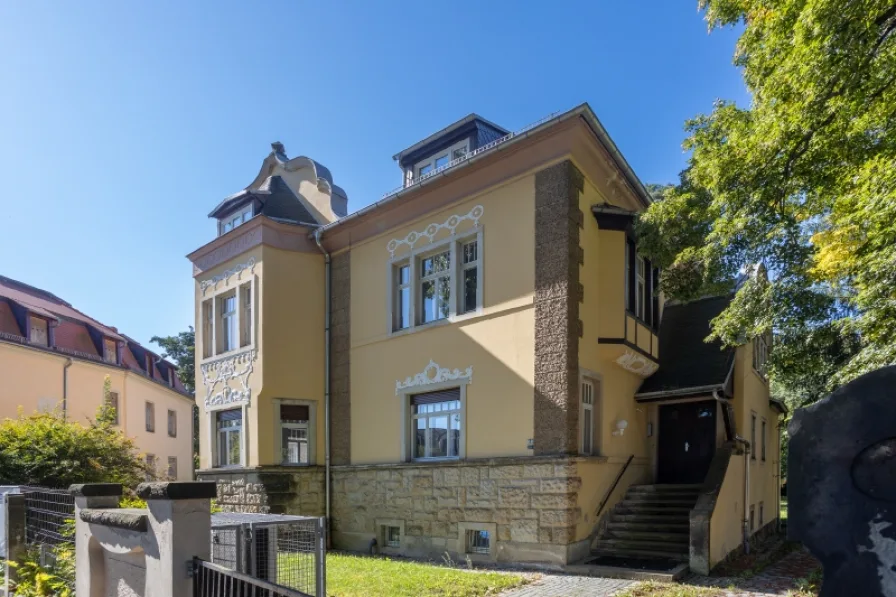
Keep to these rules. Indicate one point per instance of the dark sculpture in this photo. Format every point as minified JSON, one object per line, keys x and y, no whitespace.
{"x":842,"y":485}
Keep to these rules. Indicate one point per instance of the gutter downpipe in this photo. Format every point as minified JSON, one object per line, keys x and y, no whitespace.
{"x":68,"y":363}
{"x":317,"y":235}
{"x":746,"y":520}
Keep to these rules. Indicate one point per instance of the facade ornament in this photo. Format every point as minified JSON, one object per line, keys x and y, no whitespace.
{"x":637,"y":363}
{"x":433,"y":373}
{"x":222,"y":371}
{"x":225,"y":276}
{"x":430,"y":231}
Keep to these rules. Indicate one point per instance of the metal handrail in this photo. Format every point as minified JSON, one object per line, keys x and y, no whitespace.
{"x":613,"y":486}
{"x":226,"y":583}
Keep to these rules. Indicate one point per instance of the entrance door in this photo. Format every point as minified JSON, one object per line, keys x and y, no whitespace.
{"x":687,"y":441}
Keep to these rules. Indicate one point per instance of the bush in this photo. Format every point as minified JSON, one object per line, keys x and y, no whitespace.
{"x":44,"y":449}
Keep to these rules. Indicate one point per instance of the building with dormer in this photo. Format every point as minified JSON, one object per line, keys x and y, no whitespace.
{"x":480,"y":362}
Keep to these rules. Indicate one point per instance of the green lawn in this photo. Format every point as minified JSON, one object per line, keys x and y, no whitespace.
{"x":354,"y":576}
{"x":783,"y":513}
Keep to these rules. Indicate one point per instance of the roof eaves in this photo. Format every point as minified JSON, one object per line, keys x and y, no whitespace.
{"x":678,"y":392}
{"x":448,"y":129}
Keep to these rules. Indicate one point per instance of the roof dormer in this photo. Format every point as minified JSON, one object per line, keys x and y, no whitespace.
{"x":447,"y":147}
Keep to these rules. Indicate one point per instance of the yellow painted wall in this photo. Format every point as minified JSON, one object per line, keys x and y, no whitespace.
{"x":498,"y":341}
{"x":32,"y":381}
{"x":597,"y":476}
{"x":725,"y":532}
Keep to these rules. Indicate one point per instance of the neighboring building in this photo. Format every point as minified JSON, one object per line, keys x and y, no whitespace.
{"x":501,"y":368}
{"x":55,"y":358}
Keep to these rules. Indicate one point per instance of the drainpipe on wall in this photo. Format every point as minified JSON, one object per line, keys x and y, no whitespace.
{"x":317,"y":233}
{"x":68,"y":363}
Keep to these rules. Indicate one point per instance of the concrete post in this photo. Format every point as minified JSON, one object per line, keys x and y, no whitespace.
{"x":179,"y":530}
{"x":15,"y":535}
{"x":90,"y":579}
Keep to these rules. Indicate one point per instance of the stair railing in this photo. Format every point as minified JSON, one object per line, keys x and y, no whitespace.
{"x":606,"y":499}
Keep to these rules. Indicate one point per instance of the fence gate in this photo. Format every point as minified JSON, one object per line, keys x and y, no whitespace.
{"x":213,"y":580}
{"x":286,"y":552}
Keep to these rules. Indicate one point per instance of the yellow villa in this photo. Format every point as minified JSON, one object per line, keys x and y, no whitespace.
{"x":53,"y":357}
{"x":478,"y":363}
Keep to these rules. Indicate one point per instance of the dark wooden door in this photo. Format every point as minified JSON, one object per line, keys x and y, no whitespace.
{"x":687,"y":441}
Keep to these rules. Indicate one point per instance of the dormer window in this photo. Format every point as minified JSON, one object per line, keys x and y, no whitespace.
{"x":441,"y":159}
{"x":110,"y":350}
{"x":235,"y":219}
{"x":38,"y":332}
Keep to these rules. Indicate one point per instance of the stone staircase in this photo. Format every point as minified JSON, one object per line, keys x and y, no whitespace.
{"x":651,"y":522}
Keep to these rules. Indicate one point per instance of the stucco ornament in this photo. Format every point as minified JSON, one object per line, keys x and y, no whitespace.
{"x":225,"y":276}
{"x":430,"y":231}
{"x":222,"y":371}
{"x":637,"y":363}
{"x":433,"y":373}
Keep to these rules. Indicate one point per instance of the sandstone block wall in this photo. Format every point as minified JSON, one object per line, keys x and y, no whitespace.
{"x":271,"y":491}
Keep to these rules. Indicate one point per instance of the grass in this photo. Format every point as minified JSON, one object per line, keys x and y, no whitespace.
{"x":354,"y":576}
{"x":783,"y":513}
{"x":662,"y":589}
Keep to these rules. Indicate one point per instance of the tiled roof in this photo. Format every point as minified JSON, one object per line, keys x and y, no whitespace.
{"x":276,"y":200}
{"x":686,"y":361}
{"x":74,"y":332}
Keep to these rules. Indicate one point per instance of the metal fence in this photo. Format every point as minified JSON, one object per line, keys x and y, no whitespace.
{"x":49,"y":514}
{"x":212,"y":580}
{"x":288,"y":551}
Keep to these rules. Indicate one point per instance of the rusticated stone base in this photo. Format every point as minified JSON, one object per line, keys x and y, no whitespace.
{"x":529,"y":505}
{"x":270,"y":490}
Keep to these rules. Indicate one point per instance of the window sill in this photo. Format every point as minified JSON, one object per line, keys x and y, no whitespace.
{"x":228,"y":354}
{"x":435,"y":459}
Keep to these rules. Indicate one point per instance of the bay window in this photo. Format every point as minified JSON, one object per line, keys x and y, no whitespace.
{"x":227,"y":320}
{"x":229,"y":436}
{"x":437,"y":282}
{"x":436,"y":424}
{"x":245,"y":315}
{"x":234,"y":220}
{"x":642,"y":287}
{"x":227,"y":336}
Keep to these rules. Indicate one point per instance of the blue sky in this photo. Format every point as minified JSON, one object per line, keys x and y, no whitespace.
{"x":122,"y":124}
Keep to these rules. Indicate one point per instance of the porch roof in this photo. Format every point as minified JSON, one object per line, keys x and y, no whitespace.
{"x":688,"y":364}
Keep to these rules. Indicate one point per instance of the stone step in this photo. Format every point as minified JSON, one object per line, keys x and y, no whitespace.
{"x":649,"y":544}
{"x":659,"y":501}
{"x":667,"y":487}
{"x":661,"y":527}
{"x":684,"y":495}
{"x":640,"y":553}
{"x":626,"y":535}
{"x":640,"y":517}
{"x":626,"y":508}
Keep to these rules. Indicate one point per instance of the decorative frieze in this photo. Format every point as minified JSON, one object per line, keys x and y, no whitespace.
{"x":430,"y":231}
{"x":221,"y":371}
{"x":225,"y":276}
{"x":637,"y":363}
{"x":433,"y":373}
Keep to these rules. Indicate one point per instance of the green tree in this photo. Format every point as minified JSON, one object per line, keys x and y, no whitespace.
{"x":803,"y":181}
{"x":182,"y":349}
{"x":44,"y":449}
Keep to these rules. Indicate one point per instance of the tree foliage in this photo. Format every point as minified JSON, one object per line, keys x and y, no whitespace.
{"x":45,"y":449}
{"x":803,"y":181}
{"x":182,"y":349}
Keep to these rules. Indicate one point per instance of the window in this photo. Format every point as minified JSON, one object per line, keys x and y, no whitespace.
{"x":392,"y":536}
{"x":149,"y":365}
{"x":469,"y":296}
{"x":295,"y":433}
{"x":753,"y":436}
{"x":640,"y":288}
{"x":150,"y":467}
{"x":587,"y":416}
{"x":458,"y":153}
{"x":438,"y":283}
{"x":150,"y":417}
{"x":172,"y":468}
{"x":402,"y":297}
{"x":761,"y":514}
{"x":227,"y":331}
{"x":763,"y":440}
{"x":229,"y":426}
{"x":110,"y":350}
{"x":435,"y":286}
{"x":435,"y":424}
{"x":752,"y":518}
{"x":234,"y":220}
{"x":424,"y":170}
{"x":38,"y":333}
{"x":245,"y":315}
{"x":760,"y":355}
{"x":207,"y":327}
{"x":478,"y":541}
{"x":441,"y":159}
{"x":112,"y":405}
{"x":172,"y":423}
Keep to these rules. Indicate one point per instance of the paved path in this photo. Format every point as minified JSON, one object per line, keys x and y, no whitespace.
{"x":776,"y":580}
{"x":561,"y":585}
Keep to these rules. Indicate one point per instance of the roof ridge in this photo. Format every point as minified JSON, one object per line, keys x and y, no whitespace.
{"x":29,"y":289}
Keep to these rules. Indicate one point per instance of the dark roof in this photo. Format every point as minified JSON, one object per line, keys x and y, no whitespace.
{"x":275,"y":198}
{"x":470,"y":121}
{"x":686,"y":361}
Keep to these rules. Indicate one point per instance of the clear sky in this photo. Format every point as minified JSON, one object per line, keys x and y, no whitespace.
{"x":123,"y":123}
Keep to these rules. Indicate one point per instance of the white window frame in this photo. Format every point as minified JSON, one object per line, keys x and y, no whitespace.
{"x":228,"y":319}
{"x":235,"y":220}
{"x":587,"y":399}
{"x":454,"y":244}
{"x":760,"y":356}
{"x":461,"y":278}
{"x":172,"y":460}
{"x":407,"y":446}
{"x":439,"y":279}
{"x":310,"y":427}
{"x":447,"y":414}
{"x":207,"y":313}
{"x":169,"y":420}
{"x":215,"y":438}
{"x":641,"y":298}
{"x":245,"y":304}
{"x":445,"y":153}
{"x":110,"y":353}
{"x":150,"y":421}
{"x":213,"y":326}
{"x":43,"y":329}
{"x":397,"y":295}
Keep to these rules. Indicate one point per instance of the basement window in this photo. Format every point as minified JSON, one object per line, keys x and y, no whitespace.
{"x":392,"y":536}
{"x":478,"y":541}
